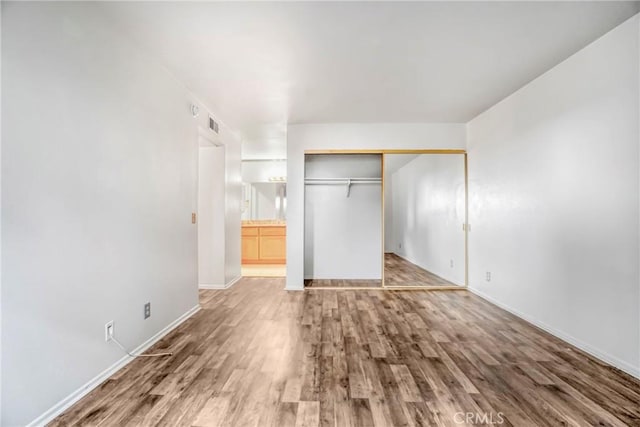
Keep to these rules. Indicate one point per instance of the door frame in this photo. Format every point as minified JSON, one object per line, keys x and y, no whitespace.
{"x":206,"y":142}
{"x":465,"y":224}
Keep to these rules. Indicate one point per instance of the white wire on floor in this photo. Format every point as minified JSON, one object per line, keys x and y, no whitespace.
{"x":139,"y":355}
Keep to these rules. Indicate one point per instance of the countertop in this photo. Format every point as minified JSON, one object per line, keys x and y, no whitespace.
{"x":266,"y":223}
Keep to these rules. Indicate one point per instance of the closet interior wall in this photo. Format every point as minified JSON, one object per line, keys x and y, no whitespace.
{"x":343,"y":223}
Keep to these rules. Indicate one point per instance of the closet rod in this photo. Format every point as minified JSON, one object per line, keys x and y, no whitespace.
{"x":342,"y":181}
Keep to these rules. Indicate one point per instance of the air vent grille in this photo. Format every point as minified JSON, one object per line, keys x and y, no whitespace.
{"x":213,"y":125}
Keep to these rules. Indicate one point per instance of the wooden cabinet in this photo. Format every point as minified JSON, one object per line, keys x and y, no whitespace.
{"x":264,"y":244}
{"x":250,"y":249}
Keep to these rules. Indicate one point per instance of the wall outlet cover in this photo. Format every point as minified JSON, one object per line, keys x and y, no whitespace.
{"x":147,"y":310}
{"x":108,"y":331}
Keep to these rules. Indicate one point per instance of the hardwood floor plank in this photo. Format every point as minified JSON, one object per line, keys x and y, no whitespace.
{"x":400,"y":272}
{"x":292,"y":390}
{"x":341,"y":283}
{"x":193,"y":400}
{"x":214,"y":411}
{"x":406,"y":383}
{"x":286,"y":414}
{"x":386,"y":401}
{"x":308,"y":414}
{"x":258,"y":355}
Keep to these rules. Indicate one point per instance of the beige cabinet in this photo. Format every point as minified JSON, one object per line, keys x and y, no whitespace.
{"x":264,"y":244}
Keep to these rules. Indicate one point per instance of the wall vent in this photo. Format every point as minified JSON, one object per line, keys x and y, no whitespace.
{"x":213,"y":125}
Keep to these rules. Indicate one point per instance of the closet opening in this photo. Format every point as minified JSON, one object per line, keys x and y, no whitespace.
{"x":343,"y":220}
{"x":385,"y":219}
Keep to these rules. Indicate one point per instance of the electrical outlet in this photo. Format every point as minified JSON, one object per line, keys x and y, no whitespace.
{"x":488,"y":276}
{"x":451,"y":263}
{"x":399,"y":245}
{"x":147,"y":310}
{"x":108,"y":331}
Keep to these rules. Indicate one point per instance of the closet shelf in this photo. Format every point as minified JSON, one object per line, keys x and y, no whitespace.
{"x":342,"y":181}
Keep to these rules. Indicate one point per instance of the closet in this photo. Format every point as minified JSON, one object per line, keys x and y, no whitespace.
{"x":385,"y":219}
{"x":424,"y":218}
{"x":343,"y":220}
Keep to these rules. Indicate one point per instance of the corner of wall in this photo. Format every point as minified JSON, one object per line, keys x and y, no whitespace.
{"x":233,"y":202}
{"x":1,"y":7}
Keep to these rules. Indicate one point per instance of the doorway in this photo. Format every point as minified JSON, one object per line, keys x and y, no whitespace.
{"x":392,"y":219}
{"x":264,"y":213}
{"x":343,"y":220}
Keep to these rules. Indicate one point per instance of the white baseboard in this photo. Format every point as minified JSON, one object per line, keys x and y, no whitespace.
{"x":600,"y":355}
{"x":294,"y":289}
{"x":74,"y":397}
{"x":227,"y":285}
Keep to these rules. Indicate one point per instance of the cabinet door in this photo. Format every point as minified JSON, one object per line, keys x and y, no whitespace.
{"x":250,"y":249}
{"x":273,"y":249}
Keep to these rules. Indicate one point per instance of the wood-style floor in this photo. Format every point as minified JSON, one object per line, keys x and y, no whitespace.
{"x":256,"y":355}
{"x":342,"y":283}
{"x":400,"y":272}
{"x":264,"y":270}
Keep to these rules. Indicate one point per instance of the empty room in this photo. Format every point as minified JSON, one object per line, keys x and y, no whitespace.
{"x":320,"y":213}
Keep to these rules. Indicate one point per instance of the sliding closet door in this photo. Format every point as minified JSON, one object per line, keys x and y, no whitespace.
{"x":343,"y":219}
{"x":425,"y":213}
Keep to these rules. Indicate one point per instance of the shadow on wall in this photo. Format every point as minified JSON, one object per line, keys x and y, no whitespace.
{"x":309,"y":235}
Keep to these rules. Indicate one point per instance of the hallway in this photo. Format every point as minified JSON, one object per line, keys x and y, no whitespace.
{"x":258,"y":355}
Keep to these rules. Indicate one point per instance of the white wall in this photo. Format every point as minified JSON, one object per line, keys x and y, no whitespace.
{"x":211,"y":216}
{"x":554,"y":199}
{"x":265,"y":200}
{"x":391,"y":164}
{"x":233,"y":205}
{"x":1,"y":7}
{"x":347,"y":136}
{"x":343,"y":235}
{"x":99,"y":172}
{"x":262,"y":170}
{"x":428,"y":213}
{"x":389,"y":236}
